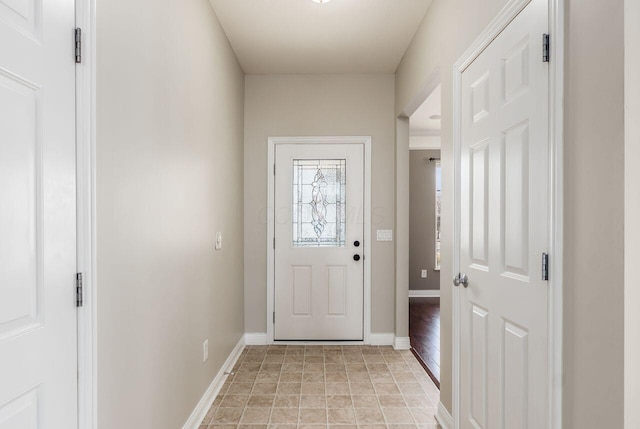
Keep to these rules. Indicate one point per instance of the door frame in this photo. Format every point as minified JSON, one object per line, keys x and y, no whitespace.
{"x":86,"y":215}
{"x":403,"y":153}
{"x":555,"y":215}
{"x":365,"y":141}
{"x":632,"y":209}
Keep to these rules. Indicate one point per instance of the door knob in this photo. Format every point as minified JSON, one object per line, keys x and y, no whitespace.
{"x":356,"y":243}
{"x":356,"y":257}
{"x":461,"y":279}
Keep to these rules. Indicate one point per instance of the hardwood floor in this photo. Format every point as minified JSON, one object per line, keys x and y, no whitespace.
{"x":424,"y":334}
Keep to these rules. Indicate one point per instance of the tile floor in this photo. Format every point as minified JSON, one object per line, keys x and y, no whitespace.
{"x":316,"y":387}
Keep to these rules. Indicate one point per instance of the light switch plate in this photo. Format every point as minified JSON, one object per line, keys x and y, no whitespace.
{"x":424,"y":274}
{"x":218,"y":240}
{"x":384,"y":235}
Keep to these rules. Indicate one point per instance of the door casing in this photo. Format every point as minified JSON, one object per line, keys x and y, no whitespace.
{"x":555,"y":284}
{"x":272,"y":143}
{"x":86,"y":227}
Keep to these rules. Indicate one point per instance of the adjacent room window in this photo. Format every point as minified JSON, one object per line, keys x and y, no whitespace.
{"x":438,"y":211}
{"x":319,"y":202}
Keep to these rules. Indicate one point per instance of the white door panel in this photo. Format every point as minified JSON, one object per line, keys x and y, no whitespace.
{"x":38,"y":348}
{"x":319,"y":287}
{"x":504,"y":229}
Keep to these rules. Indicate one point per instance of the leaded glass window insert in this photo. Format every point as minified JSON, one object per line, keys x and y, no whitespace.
{"x":319,"y":202}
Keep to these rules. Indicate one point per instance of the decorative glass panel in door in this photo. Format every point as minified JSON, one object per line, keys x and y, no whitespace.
{"x":319,"y":203}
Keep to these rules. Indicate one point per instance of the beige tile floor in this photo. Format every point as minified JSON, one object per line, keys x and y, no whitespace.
{"x":319,"y":387}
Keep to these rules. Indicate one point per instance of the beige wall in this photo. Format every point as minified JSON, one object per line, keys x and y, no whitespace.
{"x":632,"y":215}
{"x":169,"y":175}
{"x":402,"y":226}
{"x":312,"y":105}
{"x":447,"y":30}
{"x":594,"y":198}
{"x":422,"y":218}
{"x":593,"y":188}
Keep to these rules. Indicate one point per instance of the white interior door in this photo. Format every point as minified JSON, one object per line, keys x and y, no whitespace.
{"x":319,"y":235}
{"x":504,"y":208}
{"x":38,"y":348}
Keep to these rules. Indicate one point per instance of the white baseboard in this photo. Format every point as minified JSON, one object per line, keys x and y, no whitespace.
{"x":415,"y":293}
{"x":318,"y":343}
{"x":260,"y":339}
{"x":255,"y":339}
{"x":401,"y":343}
{"x":443,"y":417}
{"x":209,"y":396}
{"x":382,"y":339}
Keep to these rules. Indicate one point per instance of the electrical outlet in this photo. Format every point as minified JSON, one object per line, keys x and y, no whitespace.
{"x":424,"y":274}
{"x":218,"y":240}
{"x":205,"y":350}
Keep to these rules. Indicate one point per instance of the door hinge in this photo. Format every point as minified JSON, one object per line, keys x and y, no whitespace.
{"x":545,"y":266}
{"x":78,"y":45}
{"x":274,"y":242}
{"x":79,"y":290}
{"x":545,"y":48}
{"x":274,"y":317}
{"x":274,"y":169}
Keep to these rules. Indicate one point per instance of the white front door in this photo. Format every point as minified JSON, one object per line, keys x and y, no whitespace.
{"x":319,"y":242}
{"x":504,"y":230}
{"x":38,"y":347}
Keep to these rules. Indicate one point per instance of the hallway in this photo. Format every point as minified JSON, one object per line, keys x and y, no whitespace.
{"x":152,"y":251}
{"x":325,"y":386}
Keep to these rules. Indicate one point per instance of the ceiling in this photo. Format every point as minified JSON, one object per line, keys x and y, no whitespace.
{"x":425,"y":124}
{"x":301,"y":36}
{"x":425,"y":121}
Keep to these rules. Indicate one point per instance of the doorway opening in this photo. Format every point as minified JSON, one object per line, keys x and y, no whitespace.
{"x":424,"y":233}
